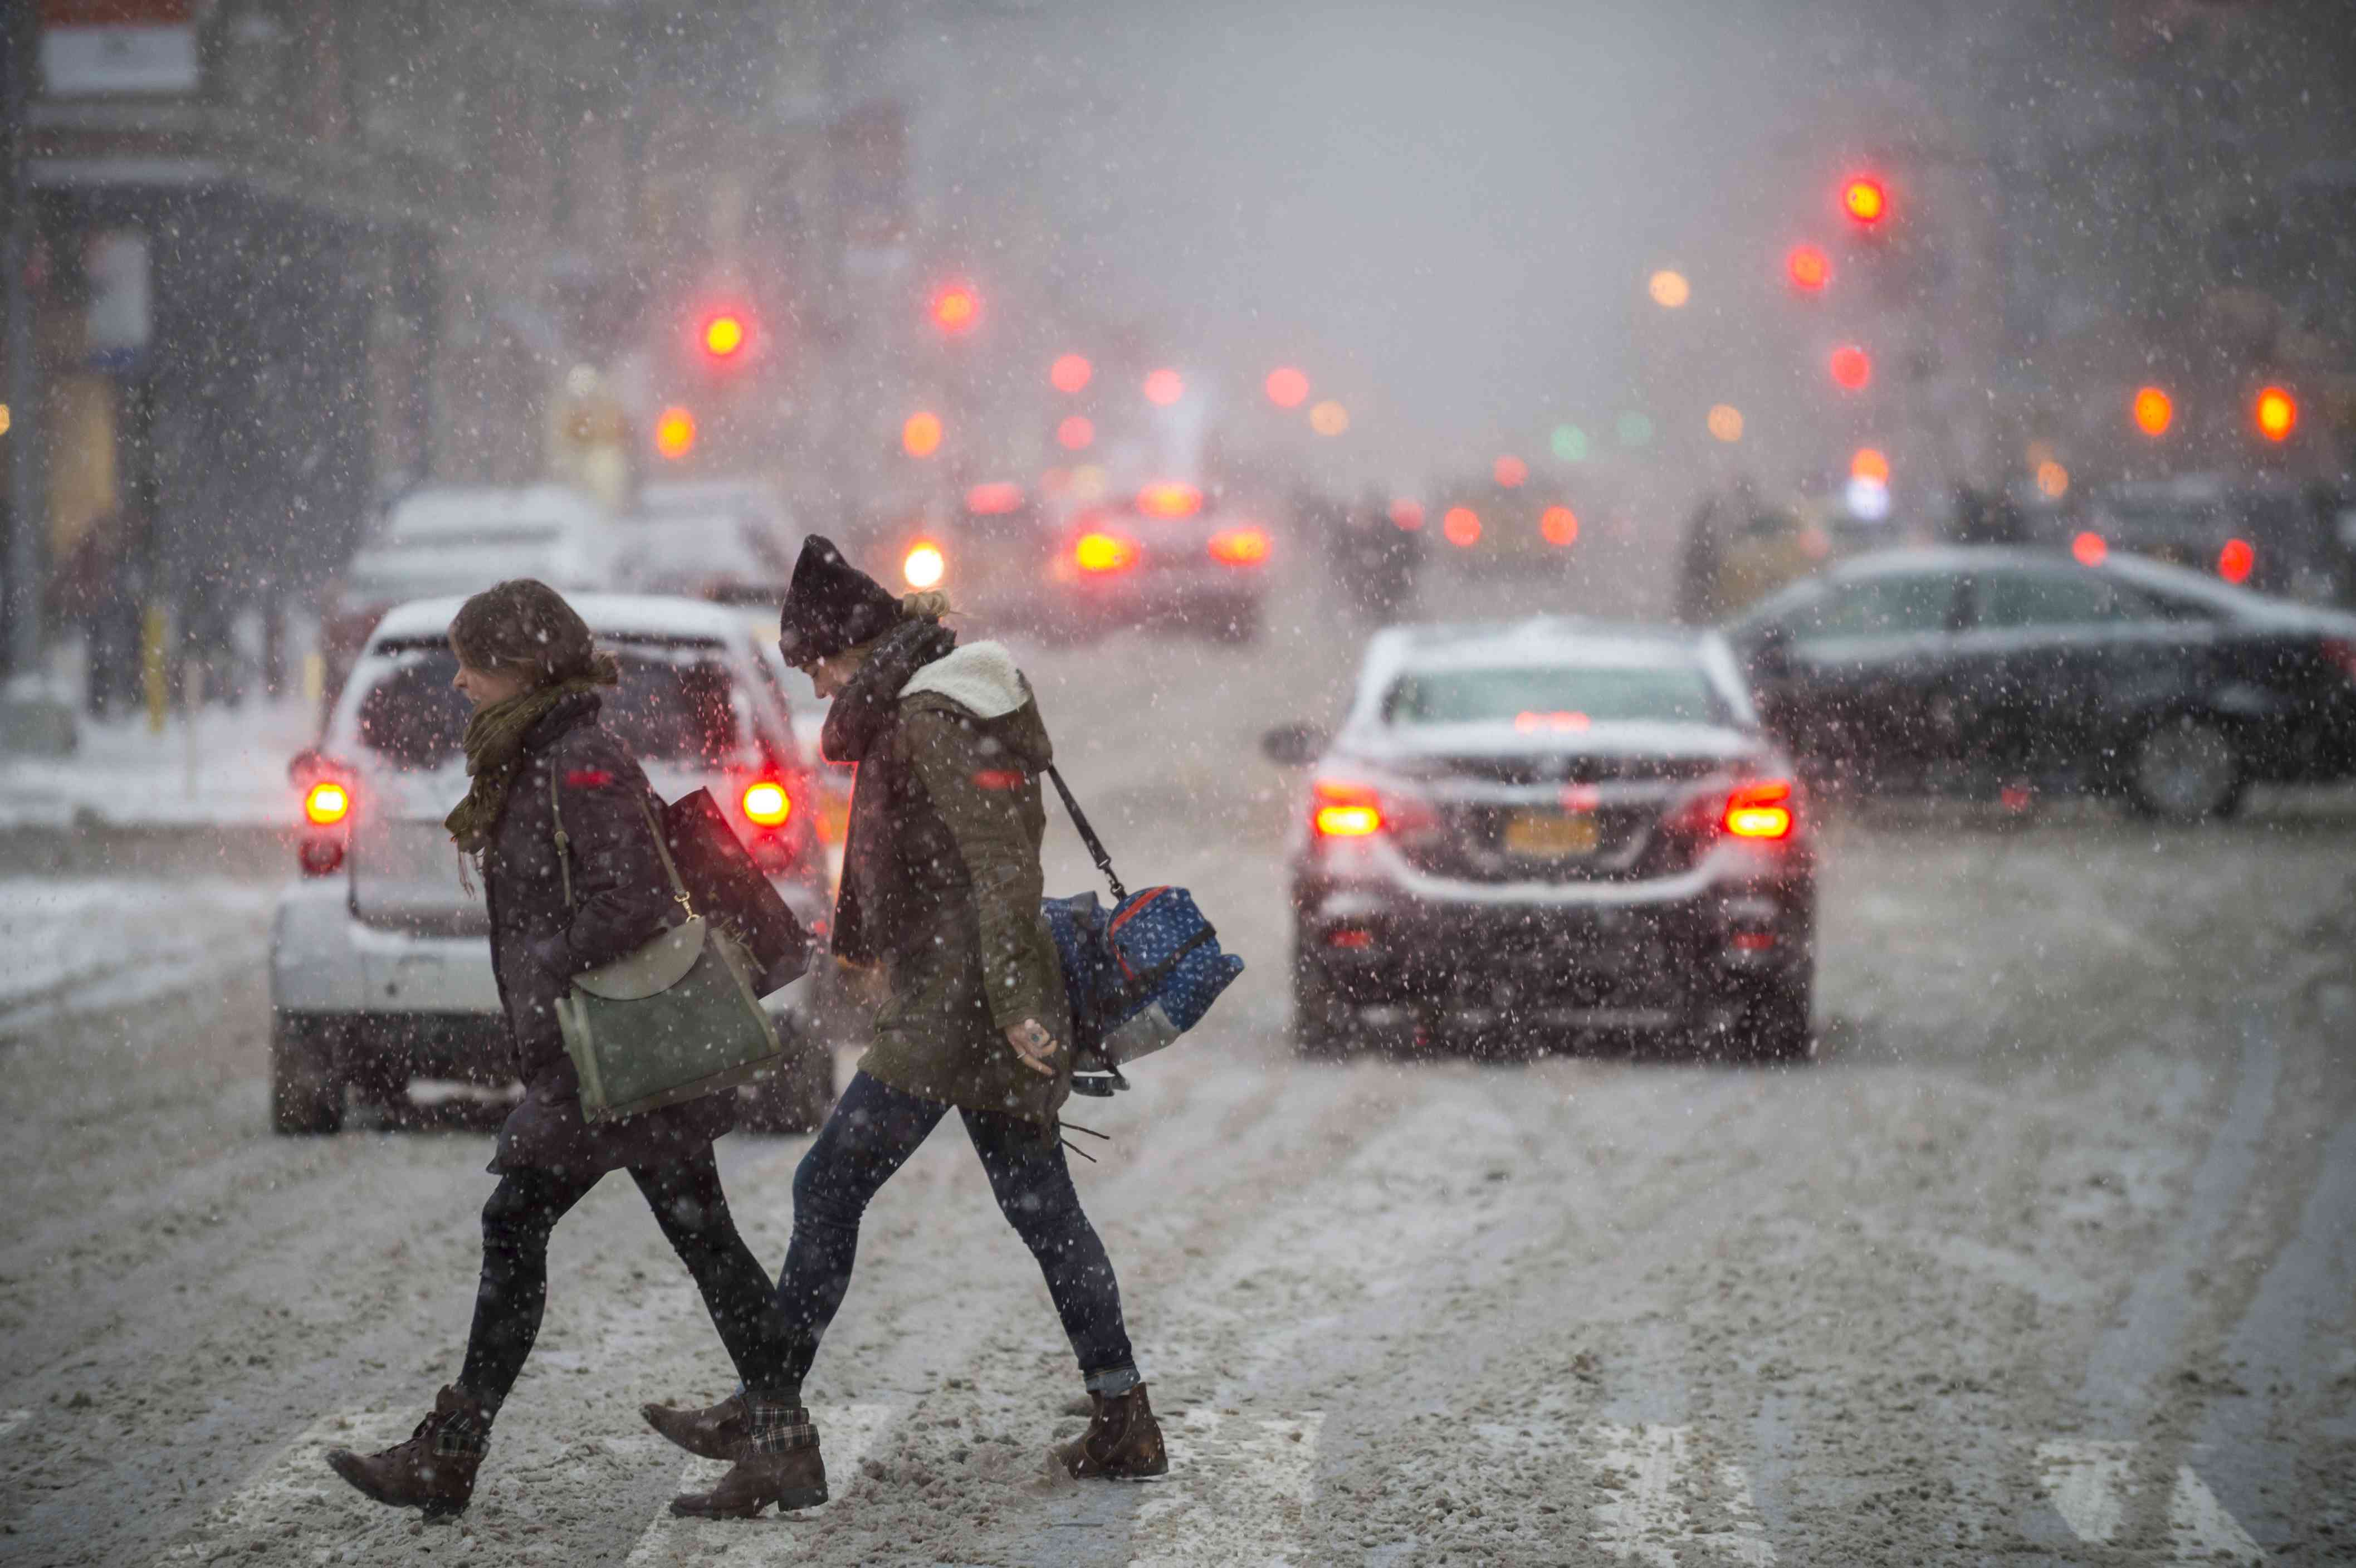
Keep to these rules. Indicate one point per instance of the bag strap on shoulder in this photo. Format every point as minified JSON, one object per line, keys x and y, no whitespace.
{"x":565,"y":847}
{"x":1088,"y":835}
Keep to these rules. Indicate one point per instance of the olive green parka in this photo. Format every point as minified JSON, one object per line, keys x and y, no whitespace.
{"x":941,"y":880}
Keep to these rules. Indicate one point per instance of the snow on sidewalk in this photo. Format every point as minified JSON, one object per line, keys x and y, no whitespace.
{"x":230,"y":770}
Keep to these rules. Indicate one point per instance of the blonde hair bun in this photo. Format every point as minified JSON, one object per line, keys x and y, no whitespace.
{"x":931,"y":605}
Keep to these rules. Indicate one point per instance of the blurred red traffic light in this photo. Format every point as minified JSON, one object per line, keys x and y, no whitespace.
{"x":1164,"y":387}
{"x":2090,"y":549}
{"x":1558,"y":526}
{"x":1461,"y":527}
{"x":1510,"y":471}
{"x":1852,"y":368}
{"x":2154,"y":410}
{"x":1076,"y":432}
{"x":1866,"y":201}
{"x":1286,"y":387}
{"x":2277,"y":413}
{"x":1406,"y":514}
{"x":1809,"y":268}
{"x":1070,"y":373}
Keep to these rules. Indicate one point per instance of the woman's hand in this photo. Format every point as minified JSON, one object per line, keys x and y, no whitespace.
{"x":1034,"y":1046}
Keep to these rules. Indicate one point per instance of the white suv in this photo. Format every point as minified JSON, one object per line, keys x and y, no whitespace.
{"x":380,"y":957}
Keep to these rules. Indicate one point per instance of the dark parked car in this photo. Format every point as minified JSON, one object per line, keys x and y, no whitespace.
{"x":1554,"y":825}
{"x":1981,"y":671}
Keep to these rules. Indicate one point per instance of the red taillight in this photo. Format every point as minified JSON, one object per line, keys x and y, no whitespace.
{"x":766,"y":804}
{"x":1239,"y":546}
{"x":1170,"y":498}
{"x":1346,"y":810}
{"x":1762,"y":809}
{"x":1104,"y":552}
{"x":2090,"y":549}
{"x":326,"y":803}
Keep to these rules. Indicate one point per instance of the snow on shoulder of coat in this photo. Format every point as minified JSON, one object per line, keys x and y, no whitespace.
{"x":978,"y":675}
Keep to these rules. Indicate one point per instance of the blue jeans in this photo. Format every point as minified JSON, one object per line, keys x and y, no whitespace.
{"x":874,"y":1130}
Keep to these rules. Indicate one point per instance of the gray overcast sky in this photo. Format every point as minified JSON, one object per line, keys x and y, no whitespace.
{"x":1445,"y":212}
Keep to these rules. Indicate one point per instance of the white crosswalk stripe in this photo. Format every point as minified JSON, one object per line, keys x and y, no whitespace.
{"x":2092,"y":1483}
{"x":1238,"y":1492}
{"x":1651,"y":1468}
{"x":847,"y":1434}
{"x":295,"y":1492}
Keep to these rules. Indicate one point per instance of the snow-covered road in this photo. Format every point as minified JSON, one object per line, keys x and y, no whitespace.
{"x":2047,"y":1259}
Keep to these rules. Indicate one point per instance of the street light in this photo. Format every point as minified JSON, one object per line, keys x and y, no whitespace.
{"x":1670,"y":289}
{"x":1287,"y":387}
{"x":1809,"y":268}
{"x":2277,"y":413}
{"x":956,"y":307}
{"x":920,"y":436}
{"x":1866,"y":201}
{"x":675,"y":433}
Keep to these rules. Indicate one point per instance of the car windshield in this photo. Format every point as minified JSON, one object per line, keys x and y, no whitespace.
{"x":667,"y":709}
{"x":1671,"y":693}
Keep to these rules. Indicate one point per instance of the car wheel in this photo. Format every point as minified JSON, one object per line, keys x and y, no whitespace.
{"x":2185,"y":770}
{"x":306,"y":1088}
{"x":1774,"y":1024}
{"x":798,"y":1096}
{"x":1321,"y":1028}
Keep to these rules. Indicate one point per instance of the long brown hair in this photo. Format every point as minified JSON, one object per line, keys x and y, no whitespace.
{"x":524,"y":625}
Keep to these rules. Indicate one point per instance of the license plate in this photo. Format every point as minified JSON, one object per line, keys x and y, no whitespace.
{"x":1550,"y":835}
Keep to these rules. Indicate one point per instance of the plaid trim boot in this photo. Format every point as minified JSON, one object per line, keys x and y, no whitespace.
{"x":434,"y":1470}
{"x":714,"y":1432}
{"x":1123,"y":1442}
{"x":779,"y":1463}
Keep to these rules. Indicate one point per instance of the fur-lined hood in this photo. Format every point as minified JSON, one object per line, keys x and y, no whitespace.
{"x":977,"y":676}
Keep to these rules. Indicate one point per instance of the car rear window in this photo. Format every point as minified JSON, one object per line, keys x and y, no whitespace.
{"x":667,"y":709}
{"x":1665,"y":692}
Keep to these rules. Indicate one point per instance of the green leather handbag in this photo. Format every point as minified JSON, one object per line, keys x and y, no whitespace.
{"x":675,"y":1020}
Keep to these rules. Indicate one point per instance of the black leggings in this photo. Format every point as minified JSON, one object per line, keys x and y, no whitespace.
{"x":872,"y":1132}
{"x":694,"y":1213}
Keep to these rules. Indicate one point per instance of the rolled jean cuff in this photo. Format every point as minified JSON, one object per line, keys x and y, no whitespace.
{"x":1113,"y":1381}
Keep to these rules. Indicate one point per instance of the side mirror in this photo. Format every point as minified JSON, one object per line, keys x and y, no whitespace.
{"x":1293,"y":744}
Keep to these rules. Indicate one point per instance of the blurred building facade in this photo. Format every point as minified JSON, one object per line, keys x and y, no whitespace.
{"x":292,"y":256}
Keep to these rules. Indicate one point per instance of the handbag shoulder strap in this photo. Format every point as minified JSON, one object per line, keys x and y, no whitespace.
{"x":1088,"y":835}
{"x":565,"y":847}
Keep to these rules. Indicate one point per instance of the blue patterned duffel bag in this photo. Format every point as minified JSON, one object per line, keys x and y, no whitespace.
{"x":1138,"y":975}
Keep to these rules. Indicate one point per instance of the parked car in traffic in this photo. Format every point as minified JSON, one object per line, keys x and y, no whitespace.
{"x":1987,"y":670}
{"x":1546,"y":826}
{"x":379,"y":962}
{"x":455,"y":539}
{"x":2279,"y":536}
{"x":1169,"y":554}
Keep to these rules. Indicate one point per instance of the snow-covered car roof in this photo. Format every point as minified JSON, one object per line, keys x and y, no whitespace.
{"x":1541,"y":641}
{"x":620,"y":616}
{"x":441,"y":513}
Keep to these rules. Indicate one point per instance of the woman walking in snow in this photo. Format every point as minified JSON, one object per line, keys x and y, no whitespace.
{"x":940,"y":885}
{"x":526,"y":662}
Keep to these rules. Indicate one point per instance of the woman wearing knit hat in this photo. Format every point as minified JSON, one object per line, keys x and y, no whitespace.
{"x":942,"y":885}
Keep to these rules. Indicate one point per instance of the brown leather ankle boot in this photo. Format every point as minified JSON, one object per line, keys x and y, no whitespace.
{"x":434,"y":1470}
{"x":714,"y":1432}
{"x":1123,"y":1442}
{"x":779,"y":1463}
